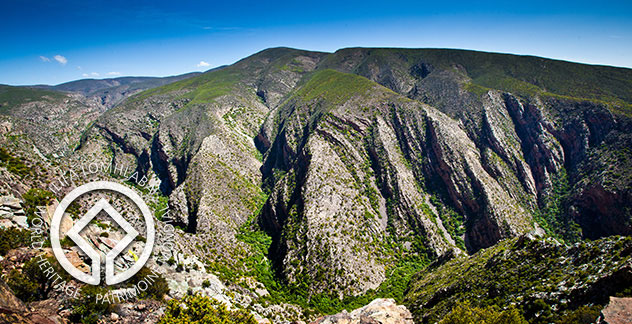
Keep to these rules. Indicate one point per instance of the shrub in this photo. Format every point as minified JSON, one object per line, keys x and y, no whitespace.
{"x":198,"y":309}
{"x":33,"y":198}
{"x":157,"y":289}
{"x":464,"y":313}
{"x":13,"y":164}
{"x":23,"y":288}
{"x":11,"y":238}
{"x":32,"y":283}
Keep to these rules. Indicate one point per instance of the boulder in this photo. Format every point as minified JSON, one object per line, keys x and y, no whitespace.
{"x":21,"y":221}
{"x":618,"y":311}
{"x":6,"y":223}
{"x":8,"y":301}
{"x":379,"y":311}
{"x":11,"y":202}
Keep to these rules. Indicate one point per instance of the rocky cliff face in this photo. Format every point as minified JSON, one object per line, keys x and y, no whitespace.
{"x":353,"y":171}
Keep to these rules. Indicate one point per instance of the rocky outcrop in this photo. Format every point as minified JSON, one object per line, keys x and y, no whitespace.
{"x":379,"y":311}
{"x":618,"y":311}
{"x":11,"y":213}
{"x":14,"y":311}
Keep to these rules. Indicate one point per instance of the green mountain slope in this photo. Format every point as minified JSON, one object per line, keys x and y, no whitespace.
{"x":523,"y":75}
{"x":547,"y":281}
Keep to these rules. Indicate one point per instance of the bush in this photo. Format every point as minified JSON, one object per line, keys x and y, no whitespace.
{"x":32,"y":283}
{"x":33,"y":198}
{"x":198,"y":309}
{"x":86,"y":309}
{"x":464,"y":313}
{"x":23,"y":287}
{"x":11,"y":238}
{"x":156,"y":290}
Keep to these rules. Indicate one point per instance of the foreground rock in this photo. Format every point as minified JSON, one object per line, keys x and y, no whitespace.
{"x":618,"y":311}
{"x":13,"y":310}
{"x":379,"y":311}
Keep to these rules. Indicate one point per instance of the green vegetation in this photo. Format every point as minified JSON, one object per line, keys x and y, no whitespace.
{"x":553,"y":216}
{"x":33,"y":198}
{"x":464,"y":313}
{"x":23,"y":287}
{"x":158,"y":287}
{"x":546,"y":281}
{"x":334,"y":87}
{"x":582,"y":315}
{"x":198,"y":309}
{"x":452,"y":221}
{"x":12,"y":238}
{"x":32,"y":282}
{"x":476,"y":89}
{"x":257,"y":265}
{"x":200,"y":89}
{"x":160,"y":205}
{"x":13,"y":164}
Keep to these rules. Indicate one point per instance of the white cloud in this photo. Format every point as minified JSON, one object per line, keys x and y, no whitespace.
{"x":44,"y":59}
{"x":113,"y":73}
{"x":85,"y":75}
{"x":94,"y":74}
{"x":203,"y":64}
{"x":62,"y":60}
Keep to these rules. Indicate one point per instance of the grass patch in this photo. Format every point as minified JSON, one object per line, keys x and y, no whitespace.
{"x":334,"y":87}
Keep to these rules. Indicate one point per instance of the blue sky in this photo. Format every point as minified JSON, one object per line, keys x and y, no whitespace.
{"x":50,"y":42}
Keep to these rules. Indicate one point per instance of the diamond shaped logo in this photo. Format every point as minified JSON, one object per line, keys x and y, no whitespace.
{"x":74,"y":234}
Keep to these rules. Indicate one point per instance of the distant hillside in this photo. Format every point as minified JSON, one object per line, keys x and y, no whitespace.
{"x":112,"y":91}
{"x":11,"y":96}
